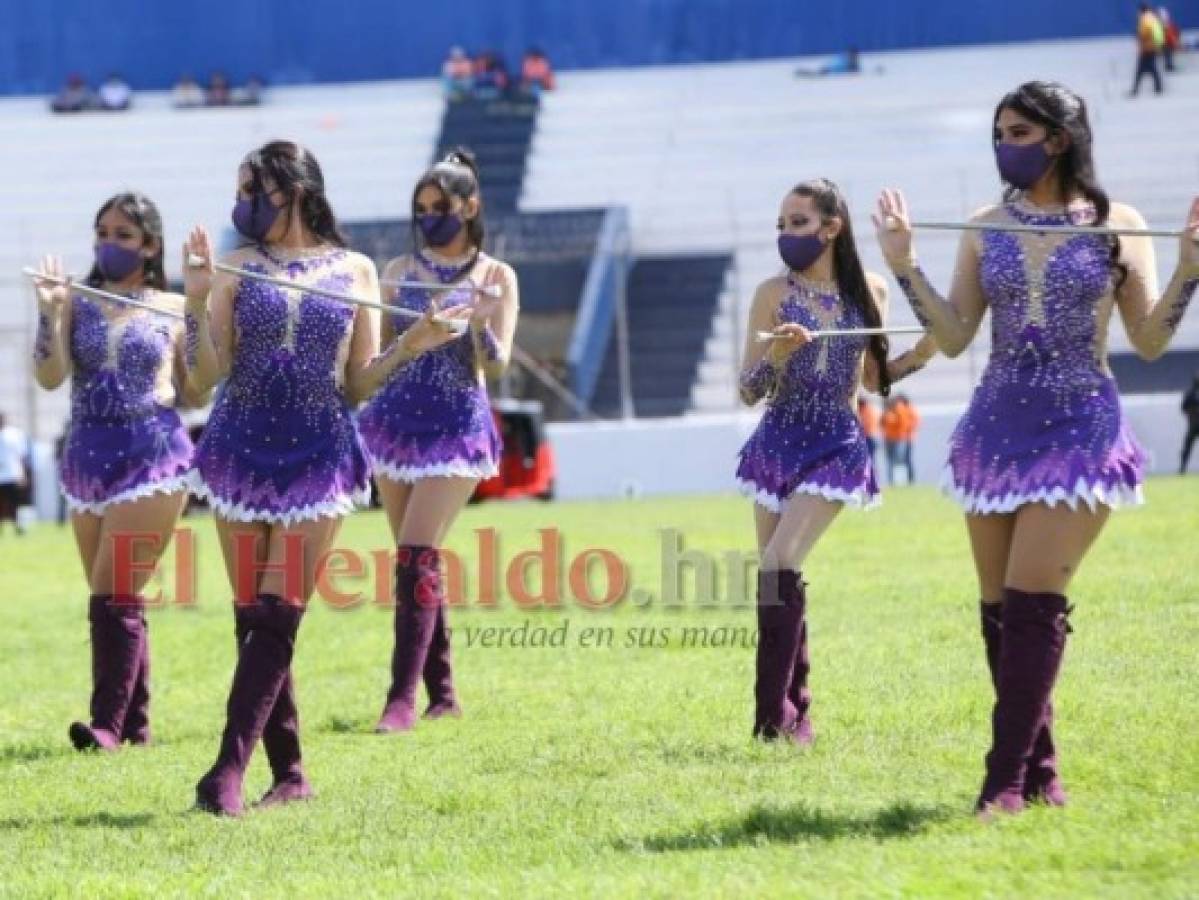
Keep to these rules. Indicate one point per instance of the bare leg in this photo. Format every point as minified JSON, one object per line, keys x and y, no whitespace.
{"x":422,"y":637}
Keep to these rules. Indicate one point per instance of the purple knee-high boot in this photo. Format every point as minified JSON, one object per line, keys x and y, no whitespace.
{"x":1041,"y":781}
{"x":263,"y":658}
{"x":118,"y":635}
{"x":419,"y":596}
{"x":281,"y":741}
{"x":1034,"y":639}
{"x":439,"y":674}
{"x":781,"y":601}
{"x":137,"y":719}
{"x":798,"y":693}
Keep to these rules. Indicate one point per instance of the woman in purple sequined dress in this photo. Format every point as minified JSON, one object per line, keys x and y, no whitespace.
{"x":280,"y":459}
{"x":430,"y":431}
{"x":808,"y":457}
{"x":126,"y":453}
{"x":1043,"y":452}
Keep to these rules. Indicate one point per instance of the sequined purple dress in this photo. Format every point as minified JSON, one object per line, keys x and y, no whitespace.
{"x":432,"y":417}
{"x":280,"y":445}
{"x":123,"y":441}
{"x":809,"y":440}
{"x":1045,"y":424}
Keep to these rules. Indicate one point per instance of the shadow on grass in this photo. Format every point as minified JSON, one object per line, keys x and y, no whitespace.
{"x":26,"y":753}
{"x":798,"y":824}
{"x":95,"y":820}
{"x":346,"y":725}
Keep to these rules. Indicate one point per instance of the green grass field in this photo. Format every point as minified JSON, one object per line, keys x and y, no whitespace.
{"x":618,"y":771}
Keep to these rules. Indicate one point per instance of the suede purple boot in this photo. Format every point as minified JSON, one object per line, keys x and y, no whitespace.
{"x":439,"y":675}
{"x":137,"y":719}
{"x":118,"y":636}
{"x":263,"y":658}
{"x":780,"y":625}
{"x":799,"y":694}
{"x":1034,"y":639}
{"x":281,"y":741}
{"x":1041,"y":781}
{"x":419,"y":596}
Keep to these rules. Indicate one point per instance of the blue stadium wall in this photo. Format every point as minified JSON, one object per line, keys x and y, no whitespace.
{"x":296,"y":41}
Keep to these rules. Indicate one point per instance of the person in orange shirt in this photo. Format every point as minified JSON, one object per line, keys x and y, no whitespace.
{"x":536,"y":74}
{"x":893,"y":433}
{"x":909,"y":422}
{"x":1150,"y":38}
{"x":1171,"y":37}
{"x":868,"y":417}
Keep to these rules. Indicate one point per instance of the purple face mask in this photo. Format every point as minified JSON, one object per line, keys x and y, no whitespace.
{"x":116,"y":263}
{"x":255,"y":220}
{"x":1022,"y":165}
{"x":799,"y":251}
{"x":438,"y":229}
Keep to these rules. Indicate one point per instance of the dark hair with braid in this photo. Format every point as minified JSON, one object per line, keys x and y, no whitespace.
{"x":847,"y":268}
{"x":1060,"y":111}
{"x":141,"y":211}
{"x":295,"y":172}
{"x":456,"y":175}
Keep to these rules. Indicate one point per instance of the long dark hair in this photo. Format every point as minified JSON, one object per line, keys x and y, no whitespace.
{"x":141,"y":211}
{"x":456,"y":175}
{"x":295,"y":171}
{"x":847,"y":268}
{"x":1061,"y":111}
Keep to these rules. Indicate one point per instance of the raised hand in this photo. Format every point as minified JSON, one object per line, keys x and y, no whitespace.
{"x":894,"y":227}
{"x":197,"y":264}
{"x":1188,"y":246}
{"x":51,"y":295}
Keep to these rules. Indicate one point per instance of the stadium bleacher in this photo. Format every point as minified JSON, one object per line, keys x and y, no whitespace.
{"x":699,"y":154}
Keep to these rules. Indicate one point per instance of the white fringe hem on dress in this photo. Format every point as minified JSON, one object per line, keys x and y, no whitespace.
{"x":454,"y":469}
{"x":99,"y":507}
{"x":857,"y":498}
{"x":335,"y":508}
{"x":1093,"y":495}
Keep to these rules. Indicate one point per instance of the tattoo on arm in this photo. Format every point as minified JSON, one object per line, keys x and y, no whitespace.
{"x":191,"y":343}
{"x":41,"y":343}
{"x":907,"y":284}
{"x":1179,"y":307}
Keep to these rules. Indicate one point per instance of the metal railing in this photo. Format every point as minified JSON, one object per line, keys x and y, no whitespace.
{"x":602,"y":308}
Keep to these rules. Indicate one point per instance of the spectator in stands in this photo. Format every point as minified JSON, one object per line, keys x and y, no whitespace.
{"x":457,"y":75}
{"x":869,"y":419}
{"x":75,"y":96}
{"x":491,"y":75}
{"x":536,"y":73}
{"x":1171,"y":37}
{"x":115,"y":94}
{"x":187,"y":93}
{"x":847,"y":63}
{"x":1190,"y":409}
{"x":1150,"y":39}
{"x":219,"y":92}
{"x":249,"y":94}
{"x":13,"y":449}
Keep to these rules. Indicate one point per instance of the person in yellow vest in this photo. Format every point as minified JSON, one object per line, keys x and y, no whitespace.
{"x":1151,"y":37}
